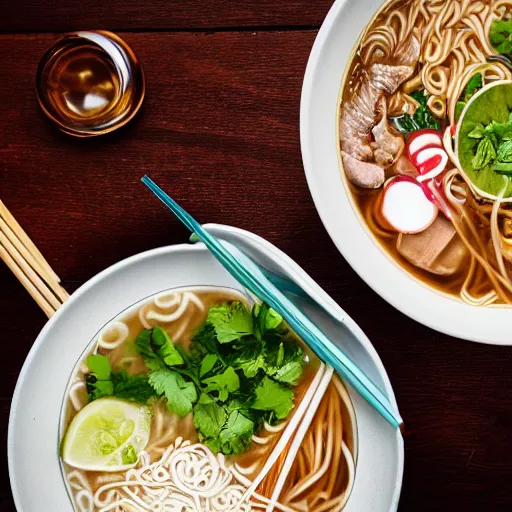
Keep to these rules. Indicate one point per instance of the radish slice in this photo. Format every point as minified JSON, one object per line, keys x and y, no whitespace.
{"x":431,"y":162}
{"x":422,"y":139}
{"x":435,"y":193}
{"x":405,"y":206}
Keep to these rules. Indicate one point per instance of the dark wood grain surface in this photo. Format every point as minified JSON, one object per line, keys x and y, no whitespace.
{"x":220,"y":129}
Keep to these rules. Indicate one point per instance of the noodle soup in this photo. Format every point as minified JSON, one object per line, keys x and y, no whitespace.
{"x":424,"y":142}
{"x":198,"y":400}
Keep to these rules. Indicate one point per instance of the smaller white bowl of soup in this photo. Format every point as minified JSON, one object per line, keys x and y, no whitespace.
{"x":420,"y":160}
{"x":220,"y":383}
{"x":163,"y":385}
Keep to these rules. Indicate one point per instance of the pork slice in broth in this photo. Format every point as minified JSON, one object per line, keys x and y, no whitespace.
{"x":362,"y":174}
{"x":438,"y":249}
{"x":388,"y":145}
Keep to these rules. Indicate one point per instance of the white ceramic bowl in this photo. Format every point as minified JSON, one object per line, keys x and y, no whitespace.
{"x":34,"y":468}
{"x":336,"y":39}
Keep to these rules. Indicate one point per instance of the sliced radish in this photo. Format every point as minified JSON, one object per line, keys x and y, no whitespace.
{"x":422,"y":139}
{"x":406,"y":207}
{"x":435,"y":193}
{"x":430,"y":162}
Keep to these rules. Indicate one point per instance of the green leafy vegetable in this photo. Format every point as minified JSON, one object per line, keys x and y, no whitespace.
{"x":290,"y":373}
{"x":239,"y":372}
{"x":478,"y":132}
{"x":271,"y":396}
{"x":250,"y":360}
{"x":237,"y":433}
{"x":474,"y":84}
{"x":500,"y":36}
{"x":503,"y":168}
{"x":483,"y":131}
{"x":422,"y":117}
{"x":132,"y":387}
{"x":165,"y":348}
{"x":103,"y":382}
{"x":230,"y":321}
{"x":265,"y":320}
{"x":157,"y":349}
{"x":180,"y":395}
{"x":504,"y":153}
{"x":145,"y":349}
{"x":485,"y":154}
{"x":209,"y":417}
{"x":208,"y":363}
{"x":225,"y":383}
{"x":100,"y":366}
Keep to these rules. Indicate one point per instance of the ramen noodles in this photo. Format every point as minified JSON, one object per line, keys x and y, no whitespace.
{"x":425,"y":142}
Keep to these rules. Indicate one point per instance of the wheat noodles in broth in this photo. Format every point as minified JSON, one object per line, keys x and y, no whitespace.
{"x":434,"y":64}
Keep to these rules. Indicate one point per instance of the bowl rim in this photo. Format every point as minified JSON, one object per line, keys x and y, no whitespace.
{"x":318,"y":120}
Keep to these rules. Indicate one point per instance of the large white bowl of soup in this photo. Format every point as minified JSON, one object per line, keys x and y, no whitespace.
{"x":406,"y":134}
{"x":162,"y":385}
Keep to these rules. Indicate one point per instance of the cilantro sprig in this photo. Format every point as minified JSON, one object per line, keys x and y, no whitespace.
{"x":240,"y":371}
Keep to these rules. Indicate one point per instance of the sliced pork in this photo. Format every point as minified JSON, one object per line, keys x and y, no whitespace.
{"x":362,"y":174}
{"x":388,"y":145}
{"x":438,"y":249}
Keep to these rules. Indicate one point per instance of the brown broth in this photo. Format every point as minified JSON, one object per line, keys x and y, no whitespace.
{"x":451,"y":285}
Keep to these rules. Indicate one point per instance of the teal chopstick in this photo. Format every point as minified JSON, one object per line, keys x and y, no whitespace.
{"x":249,"y":275}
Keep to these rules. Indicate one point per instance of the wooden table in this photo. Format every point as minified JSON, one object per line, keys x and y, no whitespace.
{"x":220,"y":130}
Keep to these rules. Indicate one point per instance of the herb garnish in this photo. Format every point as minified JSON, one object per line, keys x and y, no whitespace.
{"x":239,"y":372}
{"x":500,"y":36}
{"x":422,"y":117}
{"x":474,"y":84}
{"x":494,"y":146}
{"x":101,"y":382}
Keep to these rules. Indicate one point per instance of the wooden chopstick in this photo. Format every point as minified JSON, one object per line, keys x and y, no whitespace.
{"x":30,"y":273}
{"x":28,"y":264}
{"x":13,"y":223}
{"x":25,"y":281}
{"x":32,"y":261}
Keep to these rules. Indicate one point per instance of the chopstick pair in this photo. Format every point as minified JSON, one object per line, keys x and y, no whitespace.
{"x":247,"y":273}
{"x":28,"y":264}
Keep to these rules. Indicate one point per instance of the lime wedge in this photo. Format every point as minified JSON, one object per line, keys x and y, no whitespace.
{"x":107,"y":435}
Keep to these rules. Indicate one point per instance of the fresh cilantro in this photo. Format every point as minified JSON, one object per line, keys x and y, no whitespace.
{"x":290,"y":373}
{"x":165,"y":348}
{"x":180,"y":395}
{"x":422,"y":117}
{"x":236,"y":434}
{"x":265,"y":319}
{"x":99,"y":366}
{"x":272,"y":396}
{"x":238,"y":372}
{"x":103,"y":382}
{"x":98,"y":382}
{"x":207,"y":364}
{"x":132,"y":387}
{"x":144,"y":347}
{"x":230,"y":321}
{"x":157,"y":349}
{"x":209,"y":418}
{"x":224,"y":383}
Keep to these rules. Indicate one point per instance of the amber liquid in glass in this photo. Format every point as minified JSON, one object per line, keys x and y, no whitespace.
{"x":83,"y":82}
